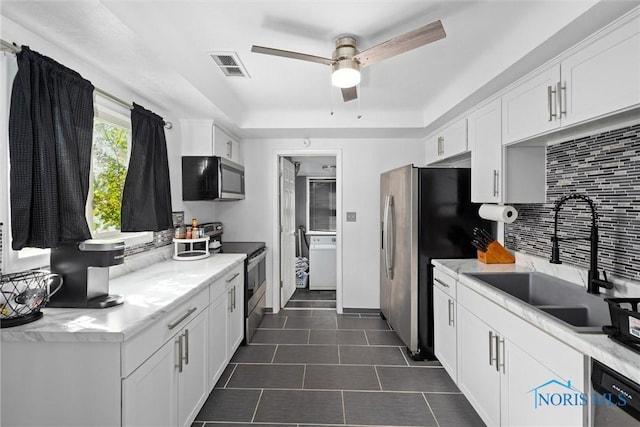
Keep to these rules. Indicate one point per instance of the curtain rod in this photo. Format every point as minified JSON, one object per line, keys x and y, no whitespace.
{"x":11,"y":47}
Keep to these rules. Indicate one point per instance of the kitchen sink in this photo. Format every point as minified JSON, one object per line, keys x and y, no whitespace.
{"x":565,"y":301}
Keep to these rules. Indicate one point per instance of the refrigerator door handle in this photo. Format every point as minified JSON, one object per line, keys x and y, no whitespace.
{"x":385,"y":233}
{"x":391,"y":238}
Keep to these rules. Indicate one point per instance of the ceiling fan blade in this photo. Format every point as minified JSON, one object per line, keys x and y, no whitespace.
{"x":349,"y":93}
{"x":403,"y":43}
{"x":289,"y":54}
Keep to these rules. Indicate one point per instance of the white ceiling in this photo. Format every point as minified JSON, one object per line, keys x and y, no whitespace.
{"x":160,"y":50}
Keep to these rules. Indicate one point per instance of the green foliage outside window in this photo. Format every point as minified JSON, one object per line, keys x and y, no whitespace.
{"x":110,"y":159}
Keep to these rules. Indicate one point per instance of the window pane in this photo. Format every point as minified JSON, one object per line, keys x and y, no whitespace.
{"x":322,"y":205}
{"x":110,"y":157}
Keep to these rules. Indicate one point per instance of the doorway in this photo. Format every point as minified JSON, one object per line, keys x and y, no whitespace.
{"x":311,"y":231}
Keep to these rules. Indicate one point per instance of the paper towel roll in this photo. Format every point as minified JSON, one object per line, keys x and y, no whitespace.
{"x":500,"y":213}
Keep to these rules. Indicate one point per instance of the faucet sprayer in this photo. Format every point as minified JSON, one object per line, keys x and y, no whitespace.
{"x":594,"y":282}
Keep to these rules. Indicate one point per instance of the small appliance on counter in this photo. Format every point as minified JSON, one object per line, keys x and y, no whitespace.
{"x":84,"y":266}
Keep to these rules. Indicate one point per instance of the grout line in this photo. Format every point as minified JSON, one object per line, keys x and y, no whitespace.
{"x":375,"y":368}
{"x":304,"y":375}
{"x":226,"y":383}
{"x":274,"y":353}
{"x":255,"y":411}
{"x":366,"y":337}
{"x":284,"y":325}
{"x":308,"y":336}
{"x":344,"y":412}
{"x":431,"y":410}
{"x":404,"y":356}
{"x":339,"y":358}
{"x":337,"y":390}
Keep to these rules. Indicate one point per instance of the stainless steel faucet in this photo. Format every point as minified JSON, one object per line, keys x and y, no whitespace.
{"x":594,"y":282}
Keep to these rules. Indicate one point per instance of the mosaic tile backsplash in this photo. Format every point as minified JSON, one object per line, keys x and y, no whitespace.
{"x":605,"y":167}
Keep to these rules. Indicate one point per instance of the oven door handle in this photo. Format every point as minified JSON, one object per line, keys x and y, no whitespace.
{"x":256,"y":259}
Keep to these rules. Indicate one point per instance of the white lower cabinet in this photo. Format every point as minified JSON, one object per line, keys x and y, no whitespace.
{"x":142,"y":405}
{"x":444,"y":323}
{"x":226,"y":321}
{"x":169,"y":388}
{"x":512,"y":372}
{"x":478,"y":378}
{"x":235,"y":317}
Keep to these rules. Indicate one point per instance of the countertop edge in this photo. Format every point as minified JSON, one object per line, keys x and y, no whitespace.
{"x":47,"y":329}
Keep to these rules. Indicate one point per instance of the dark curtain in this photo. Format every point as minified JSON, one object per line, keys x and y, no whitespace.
{"x":50,"y":137}
{"x":146,"y":198}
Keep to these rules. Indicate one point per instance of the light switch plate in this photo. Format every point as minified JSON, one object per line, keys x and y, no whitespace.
{"x":351,"y":217}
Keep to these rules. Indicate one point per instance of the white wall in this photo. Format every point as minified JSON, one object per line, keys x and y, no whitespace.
{"x":252,"y":219}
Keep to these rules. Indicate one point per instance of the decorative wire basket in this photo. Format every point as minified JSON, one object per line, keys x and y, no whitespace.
{"x":22,"y":295}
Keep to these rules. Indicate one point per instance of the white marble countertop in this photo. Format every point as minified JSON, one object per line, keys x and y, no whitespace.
{"x":597,"y":346}
{"x":148,"y":293}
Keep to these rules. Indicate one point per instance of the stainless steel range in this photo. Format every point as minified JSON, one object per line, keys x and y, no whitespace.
{"x":255,"y":275}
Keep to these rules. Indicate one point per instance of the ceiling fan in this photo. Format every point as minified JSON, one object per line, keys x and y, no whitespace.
{"x":346,"y":61}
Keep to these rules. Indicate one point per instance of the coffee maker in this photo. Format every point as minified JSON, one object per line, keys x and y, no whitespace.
{"x":84,"y":267}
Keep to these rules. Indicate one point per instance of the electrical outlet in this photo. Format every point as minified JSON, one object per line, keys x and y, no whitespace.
{"x":351,"y":217}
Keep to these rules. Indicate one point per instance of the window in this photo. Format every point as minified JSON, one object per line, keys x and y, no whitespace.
{"x":109,"y":162}
{"x":110,"y":159}
{"x":321,"y":204}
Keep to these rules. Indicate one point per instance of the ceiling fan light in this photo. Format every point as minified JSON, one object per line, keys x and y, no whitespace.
{"x":346,"y":73}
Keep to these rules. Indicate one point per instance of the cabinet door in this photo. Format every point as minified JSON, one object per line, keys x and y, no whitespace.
{"x":225,"y":146}
{"x":478,"y":377}
{"x":197,"y":137}
{"x":530,"y":108}
{"x":444,"y":324}
{"x":486,"y":154}
{"x":218,"y":338}
{"x":193,"y":386}
{"x":603,"y":77}
{"x":523,"y":380}
{"x":235,"y":319}
{"x":150,"y":393}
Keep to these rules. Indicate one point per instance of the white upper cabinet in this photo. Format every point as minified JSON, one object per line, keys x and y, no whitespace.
{"x":530,"y":109}
{"x":485,"y":141}
{"x":203,"y":138}
{"x":604,"y":76}
{"x":599,"y":78}
{"x":447,"y":142}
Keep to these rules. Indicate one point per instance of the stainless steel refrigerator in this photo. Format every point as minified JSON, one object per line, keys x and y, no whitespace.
{"x":425,"y":213}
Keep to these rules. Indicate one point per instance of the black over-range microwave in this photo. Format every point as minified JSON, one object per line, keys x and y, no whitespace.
{"x":211,"y":178}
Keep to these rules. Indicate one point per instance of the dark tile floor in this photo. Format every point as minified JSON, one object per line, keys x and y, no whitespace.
{"x":304,"y":298}
{"x":312,"y":367}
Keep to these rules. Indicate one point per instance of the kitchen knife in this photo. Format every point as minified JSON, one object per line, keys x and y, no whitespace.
{"x":479,"y":246}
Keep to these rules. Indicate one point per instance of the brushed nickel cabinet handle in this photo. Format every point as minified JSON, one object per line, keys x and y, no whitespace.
{"x":232,"y":277}
{"x":562,"y":106}
{"x":179,"y":320}
{"x":180,"y":350}
{"x":496,"y":183}
{"x":186,"y":346}
{"x":550,"y":92}
{"x":501,"y":362}
{"x":440,"y":282}
{"x":233,"y":298}
{"x":491,"y":358}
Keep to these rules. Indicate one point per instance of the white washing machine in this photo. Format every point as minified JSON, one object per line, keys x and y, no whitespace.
{"x":322,"y":262}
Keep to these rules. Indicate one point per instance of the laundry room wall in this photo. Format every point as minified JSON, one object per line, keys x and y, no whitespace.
{"x":363,"y":160}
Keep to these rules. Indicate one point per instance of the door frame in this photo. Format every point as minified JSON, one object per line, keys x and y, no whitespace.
{"x":276,"y":223}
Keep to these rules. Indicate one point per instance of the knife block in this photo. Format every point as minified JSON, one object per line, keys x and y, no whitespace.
{"x":496,"y":254}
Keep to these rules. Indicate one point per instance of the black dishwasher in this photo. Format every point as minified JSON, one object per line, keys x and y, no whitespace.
{"x":617,"y":402}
